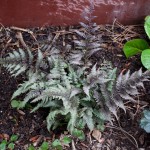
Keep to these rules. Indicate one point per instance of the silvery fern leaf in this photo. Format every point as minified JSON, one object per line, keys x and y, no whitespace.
{"x":20,"y":61}
{"x":27,"y":85}
{"x":125,"y":84}
{"x":72,"y":120}
{"x":88,"y":117}
{"x":82,"y":34}
{"x":39,"y":60}
{"x":76,"y":58}
{"x":74,"y":92}
{"x":90,"y":43}
{"x":86,"y":89}
{"x":81,"y":44}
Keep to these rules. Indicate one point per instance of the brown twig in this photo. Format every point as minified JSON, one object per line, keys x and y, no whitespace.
{"x":24,"y":30}
{"x":20,"y":38}
{"x":126,"y":133}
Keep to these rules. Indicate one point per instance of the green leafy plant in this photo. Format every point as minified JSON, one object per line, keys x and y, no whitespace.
{"x":145,"y":121}
{"x":141,"y":46}
{"x":78,"y":134}
{"x":58,"y":144}
{"x":44,"y":146}
{"x":15,"y":103}
{"x":9,"y":144}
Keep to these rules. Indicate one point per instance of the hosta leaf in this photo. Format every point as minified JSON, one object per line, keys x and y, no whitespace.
{"x":134,"y":47}
{"x":145,"y":58}
{"x":147,"y":114}
{"x":147,"y":26}
{"x":145,"y":121}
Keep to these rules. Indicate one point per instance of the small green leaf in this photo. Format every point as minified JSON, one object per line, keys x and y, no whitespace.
{"x":15,"y":104}
{"x":44,"y":146}
{"x":147,"y":26}
{"x":145,"y":121}
{"x":11,"y":146}
{"x":145,"y":58}
{"x":3,"y":145}
{"x":57,"y":144}
{"x":13,"y":138}
{"x":31,"y":148}
{"x":66,"y":140}
{"x":79,"y":134}
{"x":59,"y":147}
{"x":134,"y":47}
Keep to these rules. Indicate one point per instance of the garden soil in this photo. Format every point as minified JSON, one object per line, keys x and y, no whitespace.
{"x":124,"y":134}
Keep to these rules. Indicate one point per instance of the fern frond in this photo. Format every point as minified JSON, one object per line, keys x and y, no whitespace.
{"x":20,"y":61}
{"x":32,"y":83}
{"x":126,"y":85}
{"x":88,"y":118}
{"x":90,"y":43}
{"x":72,"y":120}
{"x":51,"y":117}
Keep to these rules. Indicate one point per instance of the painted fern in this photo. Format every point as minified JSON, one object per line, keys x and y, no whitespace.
{"x":90,"y":43}
{"x":78,"y":94}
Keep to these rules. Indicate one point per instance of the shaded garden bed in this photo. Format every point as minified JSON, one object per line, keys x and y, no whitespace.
{"x":124,"y":134}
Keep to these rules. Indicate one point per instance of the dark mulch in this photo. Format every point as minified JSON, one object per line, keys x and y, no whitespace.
{"x":125,"y":134}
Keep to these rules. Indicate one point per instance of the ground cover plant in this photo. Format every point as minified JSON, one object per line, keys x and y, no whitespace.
{"x":78,"y":91}
{"x":136,"y":46}
{"x":145,"y":121}
{"x":9,"y":143}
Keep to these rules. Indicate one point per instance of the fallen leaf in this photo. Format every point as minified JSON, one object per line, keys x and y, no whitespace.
{"x":1,"y":136}
{"x":97,"y":135}
{"x":38,"y":140}
{"x":33,"y":139}
{"x":21,"y":112}
{"x":6,"y":137}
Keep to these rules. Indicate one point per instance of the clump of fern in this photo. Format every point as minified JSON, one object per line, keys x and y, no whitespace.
{"x":83,"y":96}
